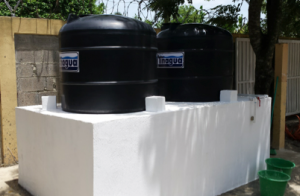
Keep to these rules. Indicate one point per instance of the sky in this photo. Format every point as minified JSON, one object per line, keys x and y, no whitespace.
{"x":132,"y":10}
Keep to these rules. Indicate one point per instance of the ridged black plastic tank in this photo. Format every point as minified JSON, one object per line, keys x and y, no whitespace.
{"x":195,"y":62}
{"x":108,"y":64}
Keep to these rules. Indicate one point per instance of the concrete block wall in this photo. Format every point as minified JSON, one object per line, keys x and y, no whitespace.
{"x":37,"y":65}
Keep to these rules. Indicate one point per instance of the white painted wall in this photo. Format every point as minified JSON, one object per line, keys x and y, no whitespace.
{"x":55,"y":154}
{"x":191,"y":149}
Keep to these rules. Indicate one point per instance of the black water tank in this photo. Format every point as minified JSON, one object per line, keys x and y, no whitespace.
{"x":195,"y":62}
{"x":108,"y":64}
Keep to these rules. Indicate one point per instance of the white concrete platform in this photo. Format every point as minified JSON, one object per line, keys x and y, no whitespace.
{"x":190,"y":149}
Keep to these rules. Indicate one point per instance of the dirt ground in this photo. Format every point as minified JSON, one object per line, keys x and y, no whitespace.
{"x":293,"y":145}
{"x":292,"y":123}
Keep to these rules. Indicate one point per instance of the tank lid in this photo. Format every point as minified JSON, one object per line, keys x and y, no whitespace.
{"x":105,"y":22}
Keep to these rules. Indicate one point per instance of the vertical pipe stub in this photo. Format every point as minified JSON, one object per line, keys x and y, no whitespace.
{"x":49,"y":102}
{"x":228,"y":96}
{"x":155,"y":104}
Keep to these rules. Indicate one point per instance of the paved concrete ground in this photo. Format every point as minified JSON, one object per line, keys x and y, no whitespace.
{"x":293,"y":189}
{"x":9,"y":180}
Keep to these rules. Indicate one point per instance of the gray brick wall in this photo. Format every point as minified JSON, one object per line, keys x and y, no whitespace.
{"x":37,"y":59}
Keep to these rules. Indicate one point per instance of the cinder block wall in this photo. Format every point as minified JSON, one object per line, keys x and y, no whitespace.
{"x":37,"y":63}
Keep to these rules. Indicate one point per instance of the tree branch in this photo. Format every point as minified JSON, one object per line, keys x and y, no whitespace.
{"x":187,"y":14}
{"x":274,"y":15}
{"x":255,"y":33}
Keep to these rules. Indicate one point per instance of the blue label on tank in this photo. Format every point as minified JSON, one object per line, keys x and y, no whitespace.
{"x":69,"y":61}
{"x":170,"y":60}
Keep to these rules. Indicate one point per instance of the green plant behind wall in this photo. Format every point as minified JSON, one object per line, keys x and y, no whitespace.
{"x":52,"y":9}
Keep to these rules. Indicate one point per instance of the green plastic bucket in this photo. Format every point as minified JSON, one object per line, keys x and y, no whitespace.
{"x":280,"y":165}
{"x":272,"y":183}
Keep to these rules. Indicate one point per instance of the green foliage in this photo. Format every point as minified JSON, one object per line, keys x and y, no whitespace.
{"x":189,"y":14}
{"x":227,"y":17}
{"x":118,"y":13}
{"x":148,"y":22}
{"x":165,"y":8}
{"x":291,"y":19}
{"x":156,"y":24}
{"x":186,"y":14}
{"x":52,"y":9}
{"x":99,"y":8}
{"x":290,"y":22}
{"x":242,"y":28}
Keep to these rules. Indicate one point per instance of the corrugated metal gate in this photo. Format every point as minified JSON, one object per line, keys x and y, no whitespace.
{"x":245,"y":71}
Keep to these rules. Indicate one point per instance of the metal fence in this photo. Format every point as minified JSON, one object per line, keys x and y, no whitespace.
{"x":245,"y":71}
{"x":293,"y":78}
{"x":245,"y":66}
